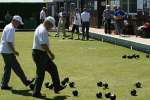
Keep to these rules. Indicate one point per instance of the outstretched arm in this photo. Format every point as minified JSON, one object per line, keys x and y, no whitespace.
{"x":46,"y":48}
{"x":10,"y":45}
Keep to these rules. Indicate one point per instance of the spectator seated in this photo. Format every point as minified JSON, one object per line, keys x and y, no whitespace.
{"x":144,"y":30}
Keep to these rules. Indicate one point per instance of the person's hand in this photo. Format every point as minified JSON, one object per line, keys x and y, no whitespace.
{"x":16,"y":53}
{"x":52,"y":56}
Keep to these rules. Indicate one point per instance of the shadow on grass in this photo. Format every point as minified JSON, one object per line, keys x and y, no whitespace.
{"x":22,"y":92}
{"x":26,"y":93}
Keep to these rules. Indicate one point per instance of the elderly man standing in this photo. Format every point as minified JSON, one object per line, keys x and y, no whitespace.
{"x":107,"y":16}
{"x":9,"y":53}
{"x":85,"y":17}
{"x":43,"y":57}
{"x":43,"y":14}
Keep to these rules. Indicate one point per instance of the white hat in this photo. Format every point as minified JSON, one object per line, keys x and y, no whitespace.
{"x":18,"y":18}
{"x":107,"y":6}
{"x":51,"y":20}
{"x":44,"y":8}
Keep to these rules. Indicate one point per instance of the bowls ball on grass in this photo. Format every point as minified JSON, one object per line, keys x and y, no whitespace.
{"x":99,"y":95}
{"x":124,"y":56}
{"x":133,"y":92}
{"x":99,"y":84}
{"x":75,"y":93}
{"x":65,"y":81}
{"x":108,"y":94}
{"x":138,"y":84}
{"x":112,"y":97}
{"x":105,"y":85}
{"x":72,"y":84}
{"x":134,"y":55}
{"x":130,"y":56}
{"x":31,"y":86}
{"x":51,"y":86}
{"x":137,"y":56}
{"x":46,"y":84}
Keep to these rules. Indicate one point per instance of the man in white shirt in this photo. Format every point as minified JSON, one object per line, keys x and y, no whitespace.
{"x":43,"y":57}
{"x":85,"y":17}
{"x":76,"y":23}
{"x":9,"y":53}
{"x":43,"y":14}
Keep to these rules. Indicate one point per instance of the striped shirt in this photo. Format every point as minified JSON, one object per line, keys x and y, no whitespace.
{"x":107,"y":14}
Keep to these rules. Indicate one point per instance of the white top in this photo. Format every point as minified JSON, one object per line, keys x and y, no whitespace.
{"x":40,"y":37}
{"x":60,"y":14}
{"x":85,"y":16}
{"x":42,"y":14}
{"x":7,"y":36}
{"x":77,"y":19}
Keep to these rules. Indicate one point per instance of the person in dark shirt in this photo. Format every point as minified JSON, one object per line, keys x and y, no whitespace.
{"x":107,"y":16}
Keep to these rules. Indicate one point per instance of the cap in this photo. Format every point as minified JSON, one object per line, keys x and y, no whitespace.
{"x":44,"y":8}
{"x":51,"y":20}
{"x":18,"y":18}
{"x":107,"y":6}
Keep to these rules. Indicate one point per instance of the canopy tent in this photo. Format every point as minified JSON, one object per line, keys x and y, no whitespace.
{"x":28,"y":9}
{"x":29,"y":1}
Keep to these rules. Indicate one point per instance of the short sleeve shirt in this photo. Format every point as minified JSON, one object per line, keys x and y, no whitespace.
{"x":119,"y":13}
{"x":85,"y":16}
{"x":42,"y":14}
{"x":40,"y":37}
{"x":77,"y":19}
{"x":7,"y":36}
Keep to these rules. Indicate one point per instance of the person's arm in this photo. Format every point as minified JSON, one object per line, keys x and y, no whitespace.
{"x":46,"y":48}
{"x":81,"y":18}
{"x":43,"y":37}
{"x":10,"y":45}
{"x":104,"y":14}
{"x":90,"y":18}
{"x":10,"y":40}
{"x":41,"y":15}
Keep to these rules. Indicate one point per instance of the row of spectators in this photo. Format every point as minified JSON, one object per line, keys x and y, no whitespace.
{"x":116,"y":19}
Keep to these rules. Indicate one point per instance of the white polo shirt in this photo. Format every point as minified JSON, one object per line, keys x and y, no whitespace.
{"x":77,"y":19}
{"x":42,"y":14}
{"x":40,"y":37}
{"x":85,"y":16}
{"x":60,"y":14}
{"x":7,"y":36}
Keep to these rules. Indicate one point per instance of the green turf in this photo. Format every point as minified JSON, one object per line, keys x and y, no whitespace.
{"x":85,"y":62}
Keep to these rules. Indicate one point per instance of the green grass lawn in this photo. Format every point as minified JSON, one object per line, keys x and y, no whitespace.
{"x":85,"y":62}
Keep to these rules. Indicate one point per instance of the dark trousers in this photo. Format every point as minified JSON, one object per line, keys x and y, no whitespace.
{"x":11,"y":62}
{"x":75,"y":27}
{"x":44,"y":63}
{"x":119,"y":26}
{"x":85,"y":26}
{"x":108,"y":26}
